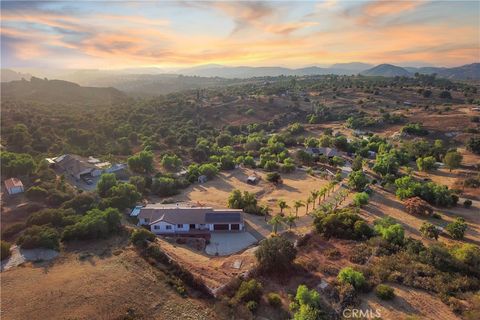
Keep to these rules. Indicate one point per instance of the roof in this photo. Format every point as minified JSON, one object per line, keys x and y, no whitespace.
{"x":74,"y":164}
{"x":13,"y":183}
{"x":197,"y":215}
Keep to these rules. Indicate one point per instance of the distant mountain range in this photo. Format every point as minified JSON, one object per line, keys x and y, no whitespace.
{"x":59,"y":91}
{"x":249,"y":72}
{"x":469,"y":71}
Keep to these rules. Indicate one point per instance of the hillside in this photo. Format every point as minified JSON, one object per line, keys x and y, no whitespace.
{"x":8,"y":75}
{"x":469,"y":71}
{"x":53,"y":91}
{"x":387,"y":70}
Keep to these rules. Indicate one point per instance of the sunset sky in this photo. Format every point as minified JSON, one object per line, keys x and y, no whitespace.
{"x":125,"y":34}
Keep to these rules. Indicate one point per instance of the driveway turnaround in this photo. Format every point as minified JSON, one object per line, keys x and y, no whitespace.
{"x":223,"y":244}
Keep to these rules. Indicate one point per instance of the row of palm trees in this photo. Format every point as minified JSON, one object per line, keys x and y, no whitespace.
{"x":315,"y":195}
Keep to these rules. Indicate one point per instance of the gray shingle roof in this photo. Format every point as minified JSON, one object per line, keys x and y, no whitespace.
{"x":186,"y":215}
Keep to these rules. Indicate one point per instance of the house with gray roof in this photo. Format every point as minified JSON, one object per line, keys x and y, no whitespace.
{"x":328,"y":152}
{"x":167,"y":219}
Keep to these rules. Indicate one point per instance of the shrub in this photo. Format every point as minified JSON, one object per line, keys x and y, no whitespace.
{"x":357,"y":180}
{"x":428,"y":230}
{"x":457,"y":228}
{"x":54,"y":217}
{"x":341,"y":224}
{"x":390,"y":231}
{"x":273,"y":177}
{"x":36,"y":193}
{"x":350,"y":276}
{"x":252,"y":305}
{"x":360,"y":199}
{"x":39,"y":237}
{"x":80,"y":203}
{"x":94,"y":224}
{"x":274,"y":299}
{"x":140,"y":236}
{"x":417,"y":206}
{"x":275,"y":254}
{"x":5,"y":250}
{"x":164,"y":187}
{"x":468,"y":254}
{"x":13,"y":230}
{"x":249,"y":291}
{"x":467,"y":203}
{"x":384,"y":292}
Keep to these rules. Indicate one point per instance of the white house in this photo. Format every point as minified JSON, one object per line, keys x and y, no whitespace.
{"x":13,"y":186}
{"x":166,"y":220}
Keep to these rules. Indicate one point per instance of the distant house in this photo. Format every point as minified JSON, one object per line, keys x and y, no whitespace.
{"x":13,"y":186}
{"x":79,"y":167}
{"x":328,"y":152}
{"x":190,"y":221}
{"x":372,"y":154}
{"x":202,"y":179}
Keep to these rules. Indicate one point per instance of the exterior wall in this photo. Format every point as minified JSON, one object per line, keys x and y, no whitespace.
{"x":164,"y":227}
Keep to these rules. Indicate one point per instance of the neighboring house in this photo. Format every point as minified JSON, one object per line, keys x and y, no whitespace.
{"x":328,"y":152}
{"x":78,"y":166}
{"x":13,"y":186}
{"x":165,"y":220}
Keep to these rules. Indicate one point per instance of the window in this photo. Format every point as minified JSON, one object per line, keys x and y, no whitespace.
{"x":168,"y":227}
{"x":156,"y":227}
{"x":180,"y":226}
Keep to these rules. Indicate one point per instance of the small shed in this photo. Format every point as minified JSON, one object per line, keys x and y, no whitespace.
{"x":14,"y":186}
{"x":202,"y":179}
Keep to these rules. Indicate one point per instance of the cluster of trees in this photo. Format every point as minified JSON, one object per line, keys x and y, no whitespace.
{"x":342,"y":223}
{"x":431,"y":192}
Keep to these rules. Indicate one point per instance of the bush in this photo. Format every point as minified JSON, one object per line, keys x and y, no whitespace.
{"x":36,"y":193}
{"x":428,"y":230}
{"x":39,"y":237}
{"x":350,"y":276}
{"x":360,"y":199}
{"x":249,"y":291}
{"x":274,"y":299}
{"x":80,"y":203}
{"x":457,"y":228}
{"x":467,"y":203}
{"x":357,"y":180}
{"x":342,"y":224}
{"x":390,"y":231}
{"x":140,"y":236}
{"x":274,"y":177}
{"x":275,"y":254}
{"x":94,"y":224}
{"x":417,"y":206}
{"x":5,"y":250}
{"x":13,"y":230}
{"x":384,"y":292}
{"x":54,"y":217}
{"x":252,"y":306}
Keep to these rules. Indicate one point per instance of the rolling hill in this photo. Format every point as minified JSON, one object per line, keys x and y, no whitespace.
{"x":8,"y":75}
{"x":54,"y":91}
{"x":386,"y":70}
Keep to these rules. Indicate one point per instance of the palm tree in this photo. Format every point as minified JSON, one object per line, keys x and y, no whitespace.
{"x":297,"y":205}
{"x":266,"y":211}
{"x":275,"y":222}
{"x":282,"y":205}
{"x":314,"y":194}
{"x":309,"y":200}
{"x":290,"y":220}
{"x":321,"y":194}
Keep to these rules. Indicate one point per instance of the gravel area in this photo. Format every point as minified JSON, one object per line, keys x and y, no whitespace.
{"x":20,"y":256}
{"x":224,"y":244}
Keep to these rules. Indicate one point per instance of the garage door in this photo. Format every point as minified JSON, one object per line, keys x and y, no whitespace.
{"x":220,"y":227}
{"x":235,"y":227}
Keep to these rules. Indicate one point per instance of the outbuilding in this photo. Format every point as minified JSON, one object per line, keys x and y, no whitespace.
{"x":14,"y":186}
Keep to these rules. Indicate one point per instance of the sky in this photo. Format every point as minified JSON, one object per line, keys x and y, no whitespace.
{"x":122,"y":34}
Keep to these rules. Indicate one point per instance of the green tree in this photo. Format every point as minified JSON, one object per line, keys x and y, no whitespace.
{"x":171,"y":162}
{"x":275,"y":222}
{"x":275,"y":254}
{"x":16,"y":164}
{"x":350,"y":276}
{"x":282,"y":205}
{"x":428,"y":230}
{"x":5,"y":250}
{"x":122,"y":196}
{"x":297,"y":205}
{"x":457,"y":228}
{"x":452,"y":160}
{"x":141,"y":162}
{"x":290,"y":220}
{"x":426,"y":164}
{"x":357,"y":180}
{"x":360,"y":199}
{"x":39,"y":237}
{"x":106,"y":182}
{"x":390,"y":231}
